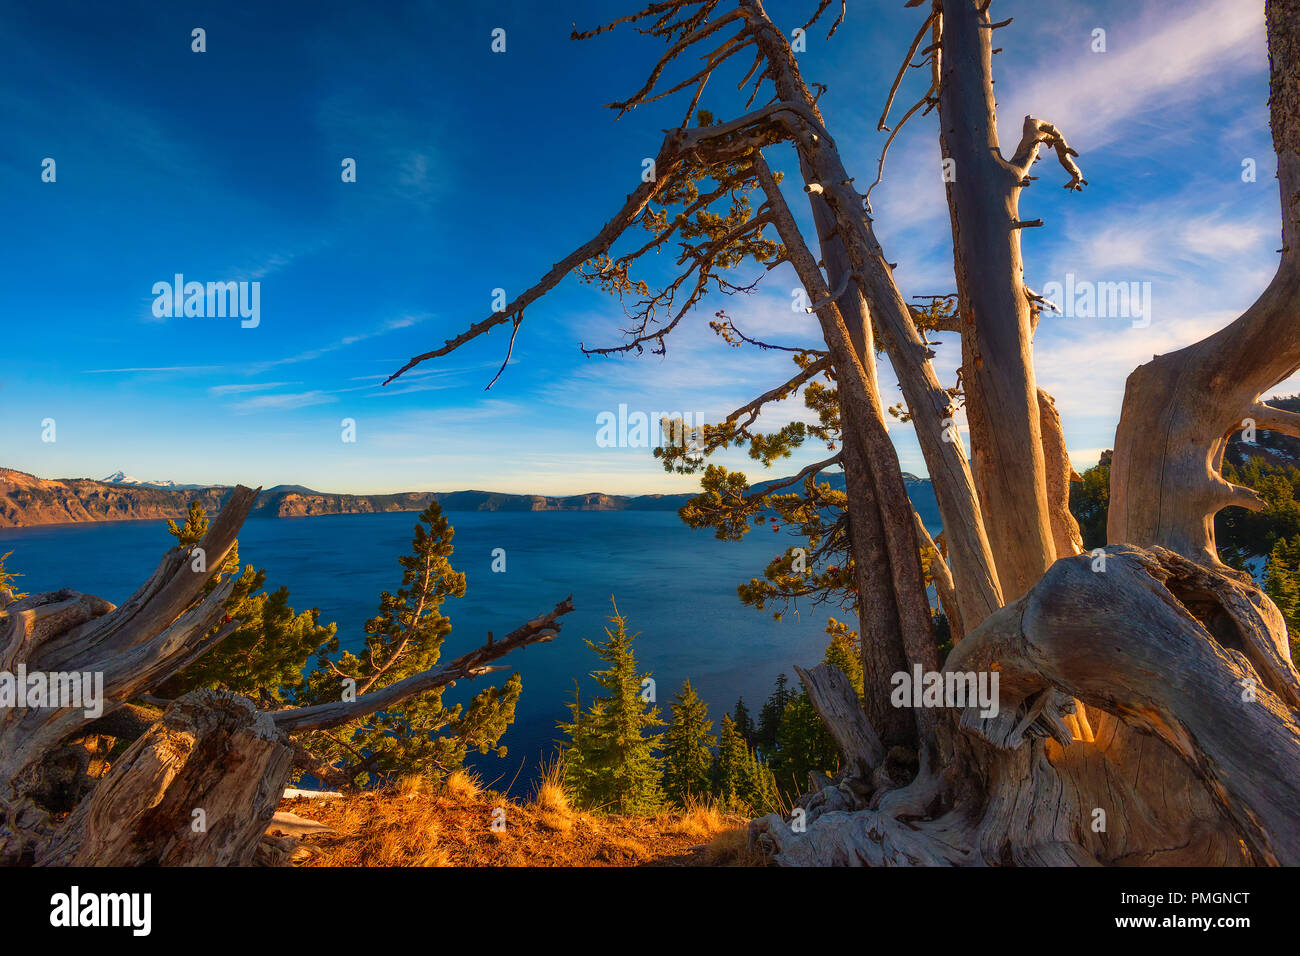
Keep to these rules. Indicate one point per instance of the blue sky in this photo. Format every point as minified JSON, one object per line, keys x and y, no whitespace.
{"x":478,"y":170}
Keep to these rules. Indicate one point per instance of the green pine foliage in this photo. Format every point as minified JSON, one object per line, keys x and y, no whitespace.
{"x":423,"y":736}
{"x":1282,"y":584}
{"x":845,"y":652}
{"x":611,"y":759}
{"x":264,"y":658}
{"x":1243,"y":534}
{"x":1090,"y":503}
{"x":802,"y":744}
{"x":688,"y":748}
{"x":742,"y":782}
{"x":7,"y":577}
{"x":744,"y":722}
{"x":769,"y":715}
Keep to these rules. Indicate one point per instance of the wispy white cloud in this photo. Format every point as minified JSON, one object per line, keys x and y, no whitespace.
{"x":392,"y":325}
{"x":285,"y":401}
{"x":220,"y":391}
{"x":1153,"y":61}
{"x":160,"y":368}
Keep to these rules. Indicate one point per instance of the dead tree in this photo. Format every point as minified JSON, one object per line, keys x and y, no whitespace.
{"x":200,"y":783}
{"x":1147,"y":688}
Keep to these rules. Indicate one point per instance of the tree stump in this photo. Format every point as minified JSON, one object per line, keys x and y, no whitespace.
{"x":198,"y":789}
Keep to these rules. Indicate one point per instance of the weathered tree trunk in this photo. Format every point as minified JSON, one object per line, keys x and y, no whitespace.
{"x":970,"y":555}
{"x":866,"y":418}
{"x":132,"y":648}
{"x":997,"y":323}
{"x":878,"y":613}
{"x":833,"y":697}
{"x":198,"y":789}
{"x":1066,"y":537}
{"x":1148,"y":703}
{"x":1193,"y":661}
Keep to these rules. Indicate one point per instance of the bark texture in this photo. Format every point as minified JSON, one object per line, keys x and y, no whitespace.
{"x":1148,"y":702}
{"x":1185,"y":673}
{"x":198,"y":789}
{"x":1002,"y":405}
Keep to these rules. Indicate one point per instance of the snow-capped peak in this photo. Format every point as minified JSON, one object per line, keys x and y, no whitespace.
{"x":122,"y":478}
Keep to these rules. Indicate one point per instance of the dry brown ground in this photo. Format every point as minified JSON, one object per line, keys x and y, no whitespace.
{"x":415,"y":825}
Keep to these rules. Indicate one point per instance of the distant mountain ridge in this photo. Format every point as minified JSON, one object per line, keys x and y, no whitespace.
{"x":122,"y":478}
{"x":26,"y":500}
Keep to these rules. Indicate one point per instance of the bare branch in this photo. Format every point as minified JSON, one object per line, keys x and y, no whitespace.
{"x":509,"y":351}
{"x":1036,"y":133}
{"x":688,"y":39}
{"x":821,"y":8}
{"x":322,"y":716}
{"x":1273,"y":419}
{"x":806,"y":471}
{"x":752,"y":408}
{"x":626,"y":216}
{"x":728,"y":323}
{"x":902,"y":70}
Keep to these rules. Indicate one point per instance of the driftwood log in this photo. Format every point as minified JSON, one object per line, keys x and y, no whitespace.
{"x":200,"y":783}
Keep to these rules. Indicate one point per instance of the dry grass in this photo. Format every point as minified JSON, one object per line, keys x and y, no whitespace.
{"x":461,"y":786}
{"x":414,"y":785}
{"x":701,"y":819}
{"x":552,"y":794}
{"x":414,"y":824}
{"x":731,"y":848}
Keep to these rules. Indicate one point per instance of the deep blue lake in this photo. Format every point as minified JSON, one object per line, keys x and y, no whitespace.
{"x":676,"y":586}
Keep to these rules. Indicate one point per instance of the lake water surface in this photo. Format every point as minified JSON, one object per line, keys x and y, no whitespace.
{"x":676,"y":586}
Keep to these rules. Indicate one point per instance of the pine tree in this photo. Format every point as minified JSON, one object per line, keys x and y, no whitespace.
{"x":610,"y":761}
{"x":1282,"y":584}
{"x":1090,"y":503}
{"x":688,"y":755}
{"x":803,"y":745}
{"x":744,"y":723}
{"x":423,"y":736}
{"x":264,"y":658}
{"x":741,"y":781}
{"x":845,"y":652}
{"x":769,"y":716}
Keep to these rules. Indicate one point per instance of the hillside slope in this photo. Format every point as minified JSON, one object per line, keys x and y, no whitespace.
{"x":26,"y":500}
